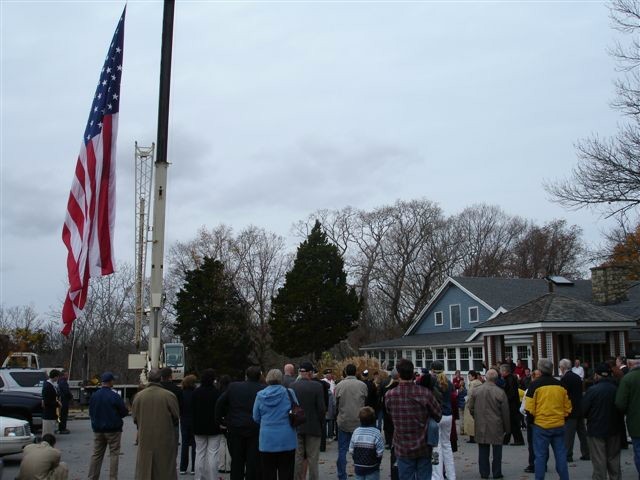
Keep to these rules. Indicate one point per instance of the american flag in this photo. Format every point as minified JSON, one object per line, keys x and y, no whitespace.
{"x":88,"y":226}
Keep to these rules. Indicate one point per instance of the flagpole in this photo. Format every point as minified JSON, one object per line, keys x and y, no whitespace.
{"x":159,"y":204}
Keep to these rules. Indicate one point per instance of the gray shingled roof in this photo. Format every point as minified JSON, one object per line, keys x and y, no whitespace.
{"x":512,"y":292}
{"x":553,"y":307}
{"x":423,"y":340}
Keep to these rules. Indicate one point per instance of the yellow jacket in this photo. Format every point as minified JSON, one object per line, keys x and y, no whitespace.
{"x":547,"y":401}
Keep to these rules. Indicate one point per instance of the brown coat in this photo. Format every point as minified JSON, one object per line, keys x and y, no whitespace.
{"x":489,"y":407}
{"x":469,"y":424}
{"x":156,"y":412}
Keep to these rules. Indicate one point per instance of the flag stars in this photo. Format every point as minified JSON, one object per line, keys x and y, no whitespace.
{"x":119,"y":67}
{"x":108,"y":69}
{"x":109,"y":106}
{"x":113,"y":77}
{"x":118,"y":50}
{"x":115,"y":96}
{"x":104,"y":82}
{"x":100,"y":125}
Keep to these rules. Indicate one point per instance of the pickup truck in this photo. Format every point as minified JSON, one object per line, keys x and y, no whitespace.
{"x":22,"y":405}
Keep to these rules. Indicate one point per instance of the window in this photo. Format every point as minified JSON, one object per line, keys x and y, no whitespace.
{"x":451,"y":359}
{"x":439,"y":353}
{"x":408,"y":354}
{"x":29,"y":379}
{"x":383,"y":356}
{"x":428,"y":358}
{"x":438,"y":317}
{"x":523,"y":352}
{"x":464,"y":359}
{"x":419,"y":358}
{"x":477,"y":358}
{"x":473,"y":314}
{"x":454,"y":313}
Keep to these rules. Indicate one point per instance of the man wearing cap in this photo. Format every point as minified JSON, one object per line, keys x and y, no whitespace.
{"x":371,"y":390}
{"x":350,"y":395}
{"x":628,"y":402}
{"x":106,"y":409}
{"x":50,"y":403}
{"x":604,"y":424}
{"x":310,"y":394}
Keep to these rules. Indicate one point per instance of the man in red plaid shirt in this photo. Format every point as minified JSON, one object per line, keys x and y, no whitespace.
{"x":411,"y":406}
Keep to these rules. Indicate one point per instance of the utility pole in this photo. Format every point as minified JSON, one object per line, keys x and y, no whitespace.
{"x":160,"y":187}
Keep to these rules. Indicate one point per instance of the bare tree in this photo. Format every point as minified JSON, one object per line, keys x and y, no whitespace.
{"x":553,"y":249}
{"x":607,"y":176}
{"x":489,"y":236}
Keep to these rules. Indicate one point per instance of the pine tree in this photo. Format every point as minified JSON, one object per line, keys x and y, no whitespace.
{"x":213,"y":321}
{"x":315,"y":309}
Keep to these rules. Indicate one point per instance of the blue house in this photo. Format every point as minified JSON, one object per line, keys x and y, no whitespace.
{"x":473,"y":322}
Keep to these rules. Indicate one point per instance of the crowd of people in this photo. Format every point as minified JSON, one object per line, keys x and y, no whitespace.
{"x":274,"y":427}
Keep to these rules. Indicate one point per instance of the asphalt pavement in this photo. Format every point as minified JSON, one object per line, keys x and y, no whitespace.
{"x":77,"y":448}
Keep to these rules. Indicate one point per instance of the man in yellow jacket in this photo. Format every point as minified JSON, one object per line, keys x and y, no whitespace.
{"x":549,"y":405}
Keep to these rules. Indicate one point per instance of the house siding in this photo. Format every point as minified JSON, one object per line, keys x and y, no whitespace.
{"x":451,"y":296}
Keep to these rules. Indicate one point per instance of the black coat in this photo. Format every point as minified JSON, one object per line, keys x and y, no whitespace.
{"x":176,"y":390}
{"x":572,"y":383}
{"x":235,"y":408}
{"x":49,"y":401}
{"x":204,"y":406}
{"x":598,"y":407}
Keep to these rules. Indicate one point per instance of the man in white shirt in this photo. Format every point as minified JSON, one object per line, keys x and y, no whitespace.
{"x":577,"y":368}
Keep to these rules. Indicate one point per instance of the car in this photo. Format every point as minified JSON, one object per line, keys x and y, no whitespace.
{"x":14,"y":435}
{"x":23,"y":406}
{"x":22,"y":379}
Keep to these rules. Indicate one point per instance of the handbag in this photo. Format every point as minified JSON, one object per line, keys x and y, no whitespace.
{"x":296,"y":412}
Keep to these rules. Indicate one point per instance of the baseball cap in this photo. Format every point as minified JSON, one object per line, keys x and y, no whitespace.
{"x":306,"y":367}
{"x":106,"y":377}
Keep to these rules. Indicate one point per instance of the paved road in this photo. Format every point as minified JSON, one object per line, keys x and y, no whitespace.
{"x":77,"y":448}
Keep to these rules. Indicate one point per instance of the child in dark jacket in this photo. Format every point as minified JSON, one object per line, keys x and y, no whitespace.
{"x":367,"y":446}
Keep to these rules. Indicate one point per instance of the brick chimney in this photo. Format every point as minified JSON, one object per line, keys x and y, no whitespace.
{"x":608,"y":284}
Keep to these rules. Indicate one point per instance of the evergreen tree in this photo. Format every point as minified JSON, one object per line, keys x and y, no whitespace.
{"x":315,"y":309}
{"x":213,"y":321}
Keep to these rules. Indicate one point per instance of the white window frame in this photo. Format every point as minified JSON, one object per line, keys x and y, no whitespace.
{"x":477,"y":314}
{"x":451,"y":317}
{"x":435,"y":317}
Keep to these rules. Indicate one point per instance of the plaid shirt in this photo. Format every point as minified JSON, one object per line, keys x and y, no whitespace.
{"x":410,"y":407}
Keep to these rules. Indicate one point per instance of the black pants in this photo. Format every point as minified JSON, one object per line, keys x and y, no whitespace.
{"x":278,"y":465}
{"x":188,"y":441}
{"x":64,"y":414}
{"x":514,"y":416}
{"x":483,"y":460}
{"x":244,"y":456}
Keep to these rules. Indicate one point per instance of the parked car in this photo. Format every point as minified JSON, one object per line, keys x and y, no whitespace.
{"x":23,"y":406}
{"x":14,"y":435}
{"x":22,"y":379}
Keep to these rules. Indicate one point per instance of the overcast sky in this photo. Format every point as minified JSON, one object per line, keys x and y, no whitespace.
{"x":282,"y":108}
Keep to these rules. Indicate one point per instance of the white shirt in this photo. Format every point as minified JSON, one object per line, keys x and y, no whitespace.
{"x":578,"y":371}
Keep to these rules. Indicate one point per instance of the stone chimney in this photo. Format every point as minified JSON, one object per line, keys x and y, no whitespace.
{"x":608,"y":284}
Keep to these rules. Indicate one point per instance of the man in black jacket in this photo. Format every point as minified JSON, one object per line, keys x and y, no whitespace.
{"x":205,"y":428}
{"x":234,"y":409}
{"x":604,"y":424}
{"x":65,"y":398}
{"x":575,"y":422}
{"x":50,"y":403}
{"x":513,"y":396}
{"x":310,"y":395}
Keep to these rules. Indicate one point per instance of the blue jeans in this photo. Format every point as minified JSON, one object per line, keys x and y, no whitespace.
{"x":635,"y":441}
{"x":379,"y":418}
{"x":344,"y":438}
{"x":414,"y":468}
{"x":369,"y":476}
{"x":542,"y":438}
